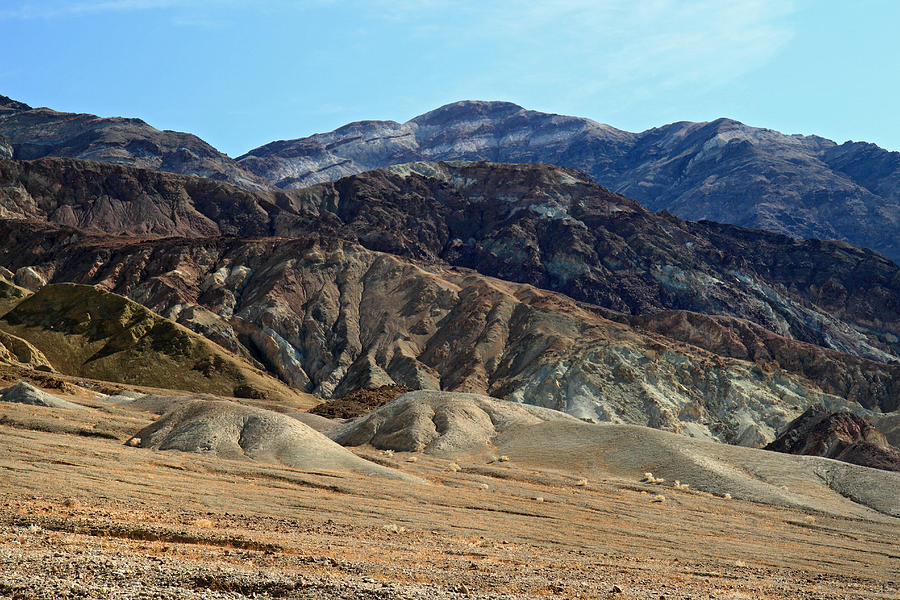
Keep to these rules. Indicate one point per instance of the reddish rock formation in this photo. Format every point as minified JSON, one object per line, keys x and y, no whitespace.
{"x":840,"y":435}
{"x":359,"y":403}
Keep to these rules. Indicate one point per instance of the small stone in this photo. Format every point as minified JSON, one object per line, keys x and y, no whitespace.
{"x":615,"y":590}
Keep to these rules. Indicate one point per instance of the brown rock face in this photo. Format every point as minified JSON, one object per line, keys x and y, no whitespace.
{"x":330,"y":317}
{"x":27,"y":133}
{"x":843,"y":375}
{"x":839,"y":435}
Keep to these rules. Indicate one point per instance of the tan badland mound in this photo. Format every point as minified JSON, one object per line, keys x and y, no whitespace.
{"x":230,"y":430}
{"x":88,"y":332}
{"x":441,"y":423}
{"x":20,"y":353}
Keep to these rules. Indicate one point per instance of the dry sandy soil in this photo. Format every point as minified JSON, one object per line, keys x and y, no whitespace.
{"x":82,"y":515}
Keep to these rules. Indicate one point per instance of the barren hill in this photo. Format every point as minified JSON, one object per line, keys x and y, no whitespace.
{"x":84,"y":331}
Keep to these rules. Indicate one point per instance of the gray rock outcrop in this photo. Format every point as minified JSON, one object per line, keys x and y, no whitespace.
{"x":25,"y":393}
{"x":723,"y":170}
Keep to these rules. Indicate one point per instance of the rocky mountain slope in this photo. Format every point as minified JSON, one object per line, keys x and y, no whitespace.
{"x":358,"y":284}
{"x":724,"y":171}
{"x":537,"y":224}
{"x":839,"y":435}
{"x":329,"y":317}
{"x":27,"y":133}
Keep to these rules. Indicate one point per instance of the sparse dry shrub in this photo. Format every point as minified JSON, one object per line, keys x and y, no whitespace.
{"x":204,"y":523}
{"x":649,"y":478}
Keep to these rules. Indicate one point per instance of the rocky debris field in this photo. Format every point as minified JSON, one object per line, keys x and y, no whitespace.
{"x":358,"y":403}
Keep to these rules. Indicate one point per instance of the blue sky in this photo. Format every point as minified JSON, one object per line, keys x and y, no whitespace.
{"x":243,"y":73}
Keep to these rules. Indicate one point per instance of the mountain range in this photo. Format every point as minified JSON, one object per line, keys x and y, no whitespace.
{"x":368,"y":282}
{"x":724,"y":171}
{"x":506,"y":275}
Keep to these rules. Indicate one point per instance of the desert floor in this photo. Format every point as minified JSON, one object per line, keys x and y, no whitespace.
{"x":84,"y":516}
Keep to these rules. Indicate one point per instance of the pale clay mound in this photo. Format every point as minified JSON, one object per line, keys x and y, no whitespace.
{"x":807,"y":482}
{"x":441,"y":423}
{"x":25,"y":393}
{"x":229,"y":430}
{"x":160,"y":404}
{"x":449,"y":424}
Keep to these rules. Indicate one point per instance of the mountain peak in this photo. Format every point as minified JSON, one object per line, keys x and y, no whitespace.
{"x":468,"y":109}
{"x":7,"y":103}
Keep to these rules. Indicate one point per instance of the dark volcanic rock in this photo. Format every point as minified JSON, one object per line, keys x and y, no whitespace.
{"x":123,"y":200}
{"x":28,"y":133}
{"x":725,"y":171}
{"x":553,"y":228}
{"x":839,"y":435}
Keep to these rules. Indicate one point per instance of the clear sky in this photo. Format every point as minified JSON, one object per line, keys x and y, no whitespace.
{"x":243,"y":73}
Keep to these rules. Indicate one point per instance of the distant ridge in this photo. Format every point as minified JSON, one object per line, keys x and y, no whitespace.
{"x":723,"y":170}
{"x":27,"y":133}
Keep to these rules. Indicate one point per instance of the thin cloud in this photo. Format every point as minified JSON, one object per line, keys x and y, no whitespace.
{"x":54,"y":10}
{"x":652,"y":44}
